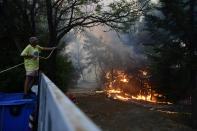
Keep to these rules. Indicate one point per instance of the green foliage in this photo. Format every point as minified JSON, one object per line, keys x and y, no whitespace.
{"x":171,"y":47}
{"x":14,"y":20}
{"x":66,"y":76}
{"x":169,"y":71}
{"x":12,"y":80}
{"x":15,"y":28}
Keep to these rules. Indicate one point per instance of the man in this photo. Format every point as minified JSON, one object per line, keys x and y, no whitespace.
{"x":31,"y":62}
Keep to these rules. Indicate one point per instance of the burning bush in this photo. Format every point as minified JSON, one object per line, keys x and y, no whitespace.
{"x":125,"y":86}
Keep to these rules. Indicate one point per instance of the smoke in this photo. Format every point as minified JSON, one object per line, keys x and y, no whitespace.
{"x":155,"y":1}
{"x":98,"y":49}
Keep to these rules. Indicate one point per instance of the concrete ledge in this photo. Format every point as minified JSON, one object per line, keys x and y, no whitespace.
{"x":58,"y":113}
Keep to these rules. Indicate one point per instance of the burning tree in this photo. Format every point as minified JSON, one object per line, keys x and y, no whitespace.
{"x":121,"y":85}
{"x":120,"y":71}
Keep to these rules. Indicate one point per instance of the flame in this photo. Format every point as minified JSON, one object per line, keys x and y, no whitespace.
{"x":144,"y":73}
{"x":145,"y":98}
{"x":113,"y":91}
{"x":124,"y":80}
{"x":122,"y":98}
{"x":118,"y":84}
{"x":117,"y":94}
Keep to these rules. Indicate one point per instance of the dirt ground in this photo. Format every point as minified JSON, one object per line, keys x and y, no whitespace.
{"x":113,"y":115}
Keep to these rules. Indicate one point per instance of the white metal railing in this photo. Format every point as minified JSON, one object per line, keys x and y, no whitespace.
{"x":58,"y":113}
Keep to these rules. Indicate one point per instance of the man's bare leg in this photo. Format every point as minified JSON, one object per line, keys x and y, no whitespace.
{"x":28,"y":83}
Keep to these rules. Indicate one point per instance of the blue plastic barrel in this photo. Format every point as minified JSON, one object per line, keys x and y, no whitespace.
{"x":15,"y":111}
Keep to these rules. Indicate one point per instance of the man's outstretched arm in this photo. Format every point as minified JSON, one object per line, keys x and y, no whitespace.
{"x":47,"y":48}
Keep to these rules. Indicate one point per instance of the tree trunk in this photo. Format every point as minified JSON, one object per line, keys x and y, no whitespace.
{"x":51,"y":68}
